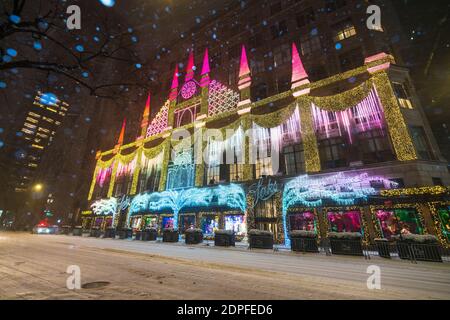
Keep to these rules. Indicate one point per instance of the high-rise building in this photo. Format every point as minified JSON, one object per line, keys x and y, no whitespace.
{"x":40,"y":126}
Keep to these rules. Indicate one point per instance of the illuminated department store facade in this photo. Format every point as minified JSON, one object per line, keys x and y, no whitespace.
{"x":355,"y":154}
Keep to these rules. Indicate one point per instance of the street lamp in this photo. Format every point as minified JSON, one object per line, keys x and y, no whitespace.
{"x":38,"y":187}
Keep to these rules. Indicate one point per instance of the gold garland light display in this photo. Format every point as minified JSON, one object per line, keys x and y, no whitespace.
{"x":432,"y":191}
{"x":434,"y":207}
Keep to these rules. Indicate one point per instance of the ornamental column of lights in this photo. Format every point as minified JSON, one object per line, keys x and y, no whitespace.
{"x":301,"y":87}
{"x":244,"y":108}
{"x":378,"y":66}
{"x":98,"y":156}
{"x":116,"y":151}
{"x":204,"y":85}
{"x":140,"y":143}
{"x":173,"y":95}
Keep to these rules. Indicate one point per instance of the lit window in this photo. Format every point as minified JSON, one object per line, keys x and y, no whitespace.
{"x":29,"y":125}
{"x":344,"y":30}
{"x":402,"y":94}
{"x":32,"y":120}
{"x":34,"y":115}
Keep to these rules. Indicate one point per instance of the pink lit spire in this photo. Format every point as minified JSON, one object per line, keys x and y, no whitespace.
{"x":298,"y":70}
{"x":245,"y":79}
{"x":244,"y":69}
{"x":190,"y":67}
{"x":122,"y":133}
{"x":174,"y":88}
{"x":204,"y":82}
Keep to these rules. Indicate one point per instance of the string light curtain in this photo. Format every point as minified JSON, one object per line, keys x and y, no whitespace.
{"x":151,"y":165}
{"x":126,"y":168}
{"x":104,"y":175}
{"x":365,"y":116}
{"x":216,"y":148}
{"x":277,"y":137}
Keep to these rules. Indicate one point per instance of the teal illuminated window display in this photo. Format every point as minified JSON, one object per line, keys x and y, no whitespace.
{"x":210,"y":223}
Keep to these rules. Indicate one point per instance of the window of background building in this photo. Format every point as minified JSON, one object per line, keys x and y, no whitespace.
{"x":282,"y":55}
{"x":351,"y":59}
{"x":305,"y":17}
{"x":236,"y":172}
{"x":421,"y":143}
{"x":332,"y":153}
{"x":283,"y":83}
{"x":279,"y":29}
{"x":310,"y":45}
{"x":275,"y":8}
{"x":213,"y":174}
{"x":259,"y":91}
{"x":317,"y":72}
{"x":343,"y":30}
{"x":402,"y":93}
{"x":375,"y":147}
{"x":398,"y":183}
{"x":437,"y":181}
{"x":294,"y":159}
{"x":333,"y":5}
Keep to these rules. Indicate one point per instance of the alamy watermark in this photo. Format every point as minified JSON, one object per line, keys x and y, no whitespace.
{"x":73,"y":282}
{"x":374,"y":280}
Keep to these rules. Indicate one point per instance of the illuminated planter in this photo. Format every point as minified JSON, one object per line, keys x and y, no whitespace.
{"x":138,"y":235}
{"x":149,"y":235}
{"x":418,"y":247}
{"x":77,"y":231}
{"x":225,"y":238}
{"x":170,"y":235}
{"x":259,"y":239}
{"x":66,"y":230}
{"x":304,"y":241}
{"x":383,"y":248}
{"x":125,"y":233}
{"x":193,"y":236}
{"x":346,"y":243}
{"x":110,"y":233}
{"x":95,"y":232}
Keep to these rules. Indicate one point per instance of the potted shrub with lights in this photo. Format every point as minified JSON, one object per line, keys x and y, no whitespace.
{"x":138,"y":235}
{"x":149,"y":234}
{"x":193,"y":236}
{"x":170,"y":235}
{"x":260,"y":239}
{"x":77,"y":231}
{"x":66,"y":229}
{"x":224,"y":238}
{"x":346,"y":243}
{"x":95,"y":232}
{"x":110,"y":232}
{"x":303,"y":241}
{"x":418,"y":247}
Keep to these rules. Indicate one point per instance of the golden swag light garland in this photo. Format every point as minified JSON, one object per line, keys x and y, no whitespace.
{"x":434,"y":206}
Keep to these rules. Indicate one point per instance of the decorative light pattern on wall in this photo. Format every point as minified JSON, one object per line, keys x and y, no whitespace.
{"x":221,"y":99}
{"x":160,"y":122}
{"x":216,"y":148}
{"x":126,"y":168}
{"x":105,"y":207}
{"x":103,"y":175}
{"x":340,"y":189}
{"x":231,"y":196}
{"x":365,"y":116}
{"x":284,"y":134}
{"x":188,"y":90}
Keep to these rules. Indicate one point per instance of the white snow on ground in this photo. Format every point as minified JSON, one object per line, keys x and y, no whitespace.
{"x":34,"y":267}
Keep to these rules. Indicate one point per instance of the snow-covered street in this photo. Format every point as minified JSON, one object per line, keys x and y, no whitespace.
{"x":34,"y":267}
